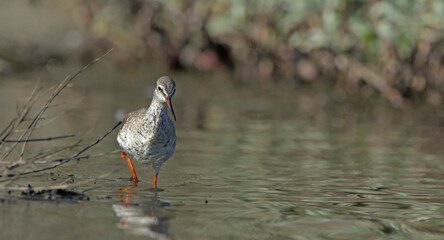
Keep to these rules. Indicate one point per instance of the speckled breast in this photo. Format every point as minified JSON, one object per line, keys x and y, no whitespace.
{"x":152,"y":142}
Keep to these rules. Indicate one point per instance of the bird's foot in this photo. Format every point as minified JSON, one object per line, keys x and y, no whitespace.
{"x":135,"y":181}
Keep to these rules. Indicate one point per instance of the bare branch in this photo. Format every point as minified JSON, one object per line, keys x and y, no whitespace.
{"x":40,"y":139}
{"x":21,"y":115}
{"x":61,"y":86}
{"x":63,"y":161}
{"x":34,"y":164}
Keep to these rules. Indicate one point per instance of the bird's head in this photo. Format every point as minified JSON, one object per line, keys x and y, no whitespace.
{"x":164,"y":92}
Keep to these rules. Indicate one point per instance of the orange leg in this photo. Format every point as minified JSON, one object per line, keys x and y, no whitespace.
{"x":130,"y":164}
{"x":155,"y":181}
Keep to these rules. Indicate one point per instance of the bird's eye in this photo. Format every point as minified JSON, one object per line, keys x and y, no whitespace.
{"x":159,"y":88}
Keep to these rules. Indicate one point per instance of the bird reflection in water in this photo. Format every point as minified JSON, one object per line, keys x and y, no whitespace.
{"x":142,"y":217}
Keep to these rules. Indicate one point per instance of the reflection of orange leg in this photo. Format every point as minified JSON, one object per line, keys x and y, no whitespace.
{"x":127,"y":196}
{"x":130,"y":164}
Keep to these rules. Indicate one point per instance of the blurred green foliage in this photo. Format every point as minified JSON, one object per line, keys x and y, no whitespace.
{"x":393,"y":46}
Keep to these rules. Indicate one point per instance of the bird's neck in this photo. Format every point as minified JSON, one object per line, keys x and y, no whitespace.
{"x":157,"y":109}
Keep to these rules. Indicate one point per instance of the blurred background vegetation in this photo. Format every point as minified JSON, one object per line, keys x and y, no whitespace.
{"x":392,"y":49}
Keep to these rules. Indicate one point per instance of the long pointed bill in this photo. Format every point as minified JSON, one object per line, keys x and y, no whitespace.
{"x":170,"y":105}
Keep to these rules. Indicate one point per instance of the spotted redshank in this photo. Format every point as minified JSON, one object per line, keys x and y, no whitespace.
{"x":148,"y":134}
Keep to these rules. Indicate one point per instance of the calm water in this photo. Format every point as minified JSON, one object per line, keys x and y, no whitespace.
{"x":250,"y":163}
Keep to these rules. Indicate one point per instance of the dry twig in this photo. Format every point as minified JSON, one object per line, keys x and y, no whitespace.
{"x":12,"y":169}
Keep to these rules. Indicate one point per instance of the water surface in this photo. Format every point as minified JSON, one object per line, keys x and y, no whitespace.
{"x":250,"y":163}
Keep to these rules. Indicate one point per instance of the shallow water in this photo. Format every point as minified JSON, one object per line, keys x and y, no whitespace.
{"x":250,"y":163}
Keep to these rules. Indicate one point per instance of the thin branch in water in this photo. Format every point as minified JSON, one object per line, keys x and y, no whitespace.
{"x":40,"y":139}
{"x":21,"y":114}
{"x":95,"y":142}
{"x":69,"y":178}
{"x":49,"y":120}
{"x":30,"y":119}
{"x":56,"y":92}
{"x":62,"y":86}
{"x":7,"y":127}
{"x":53,"y":153}
{"x":85,"y":157}
{"x":63,"y":161}
{"x":40,"y":156}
